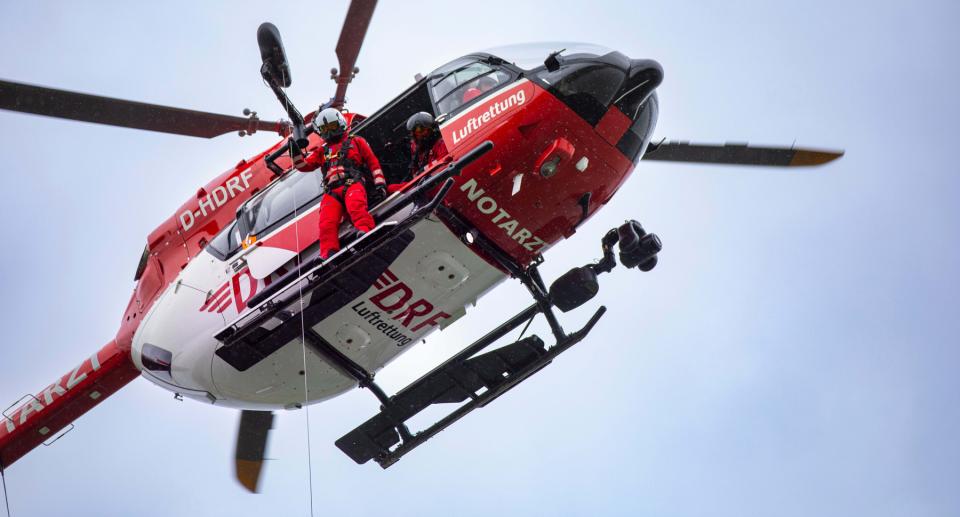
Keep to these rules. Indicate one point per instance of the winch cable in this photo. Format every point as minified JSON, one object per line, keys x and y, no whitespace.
{"x":303,"y":347}
{"x":6,"y":497}
{"x":303,"y":335}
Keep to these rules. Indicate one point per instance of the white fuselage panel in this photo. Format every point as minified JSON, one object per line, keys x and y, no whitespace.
{"x":428,"y":286}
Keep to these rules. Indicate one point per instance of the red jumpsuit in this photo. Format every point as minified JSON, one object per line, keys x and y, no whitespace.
{"x":343,"y":189}
{"x":419,"y":159}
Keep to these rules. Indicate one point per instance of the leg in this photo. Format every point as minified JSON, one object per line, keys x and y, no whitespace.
{"x":356,"y":201}
{"x":330,"y":213}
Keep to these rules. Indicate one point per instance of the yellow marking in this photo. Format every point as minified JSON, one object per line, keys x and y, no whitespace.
{"x":248,"y":473}
{"x":808,"y":157}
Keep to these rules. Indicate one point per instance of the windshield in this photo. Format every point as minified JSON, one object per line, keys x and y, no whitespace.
{"x":462,"y":81}
{"x":226,"y":242}
{"x":531,"y":55}
{"x":278,"y":204}
{"x":587,"y":87}
{"x":463,"y":85}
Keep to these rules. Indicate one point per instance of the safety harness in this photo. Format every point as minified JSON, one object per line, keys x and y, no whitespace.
{"x":420,"y":155}
{"x":352,"y":171}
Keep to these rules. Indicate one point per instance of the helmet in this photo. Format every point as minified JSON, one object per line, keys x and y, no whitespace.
{"x":421,"y":125}
{"x":330,"y":124}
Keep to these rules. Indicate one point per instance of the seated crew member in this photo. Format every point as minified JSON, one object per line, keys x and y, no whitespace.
{"x":348,"y":165}
{"x":484,"y":85}
{"x":426,"y":146}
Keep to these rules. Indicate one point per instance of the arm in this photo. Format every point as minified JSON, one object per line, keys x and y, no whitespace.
{"x":438,"y":151}
{"x":313,"y":161}
{"x":370,"y":160}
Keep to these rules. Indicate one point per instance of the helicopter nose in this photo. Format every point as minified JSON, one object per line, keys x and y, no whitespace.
{"x":637,"y":99}
{"x":590,"y":88}
{"x":644,"y":77}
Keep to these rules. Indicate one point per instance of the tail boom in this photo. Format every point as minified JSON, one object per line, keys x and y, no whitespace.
{"x":39,"y":417}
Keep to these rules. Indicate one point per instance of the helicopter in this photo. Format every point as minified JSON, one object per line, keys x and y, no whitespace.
{"x":222,"y":281}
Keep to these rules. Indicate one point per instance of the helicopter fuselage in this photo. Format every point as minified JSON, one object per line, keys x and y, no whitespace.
{"x":548,"y":172}
{"x":566,"y":135}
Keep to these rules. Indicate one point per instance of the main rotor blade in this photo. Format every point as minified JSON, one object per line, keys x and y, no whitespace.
{"x":348,"y":46}
{"x":51,"y":102}
{"x":251,"y":444}
{"x":738,"y":154}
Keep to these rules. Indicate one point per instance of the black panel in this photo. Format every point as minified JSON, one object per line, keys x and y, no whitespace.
{"x":252,"y":435}
{"x":387,"y":134}
{"x":156,"y":359}
{"x":739,"y":154}
{"x":634,"y":142}
{"x":587,"y":88}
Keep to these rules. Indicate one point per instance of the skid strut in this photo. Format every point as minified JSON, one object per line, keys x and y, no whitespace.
{"x":482,"y":379}
{"x":470,"y":374}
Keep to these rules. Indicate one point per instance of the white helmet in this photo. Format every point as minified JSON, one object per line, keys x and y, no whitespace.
{"x":330,"y":124}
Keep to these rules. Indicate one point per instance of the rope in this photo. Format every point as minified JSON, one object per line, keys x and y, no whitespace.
{"x":303,"y":344}
{"x":6,"y":498}
{"x":306,"y":385}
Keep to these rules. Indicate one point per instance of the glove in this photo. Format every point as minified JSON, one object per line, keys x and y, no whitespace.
{"x":277,"y":171}
{"x":379,"y":194}
{"x":297,"y":156}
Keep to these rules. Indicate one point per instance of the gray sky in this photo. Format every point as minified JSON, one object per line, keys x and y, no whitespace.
{"x":795,"y":353}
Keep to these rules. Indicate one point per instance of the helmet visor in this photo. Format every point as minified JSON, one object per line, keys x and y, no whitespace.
{"x":330,"y":128}
{"x":420,"y":132}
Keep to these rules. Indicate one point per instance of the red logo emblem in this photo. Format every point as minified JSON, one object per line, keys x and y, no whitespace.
{"x":237,"y":291}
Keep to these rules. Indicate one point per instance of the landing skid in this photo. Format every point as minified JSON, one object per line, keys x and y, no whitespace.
{"x":482,"y":377}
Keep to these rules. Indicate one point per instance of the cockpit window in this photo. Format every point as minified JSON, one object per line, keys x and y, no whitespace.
{"x":587,"y":87}
{"x":293,"y":193}
{"x":226,"y":242}
{"x":278,"y":204}
{"x":634,"y":142}
{"x":464,"y":80}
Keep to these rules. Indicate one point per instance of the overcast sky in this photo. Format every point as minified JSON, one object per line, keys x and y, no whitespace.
{"x":795,"y":353}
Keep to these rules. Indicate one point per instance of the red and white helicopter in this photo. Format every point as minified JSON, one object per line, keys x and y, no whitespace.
{"x":230,"y":308}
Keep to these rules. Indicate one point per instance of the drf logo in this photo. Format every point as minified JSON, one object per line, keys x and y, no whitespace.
{"x":237,"y":291}
{"x":394,"y":309}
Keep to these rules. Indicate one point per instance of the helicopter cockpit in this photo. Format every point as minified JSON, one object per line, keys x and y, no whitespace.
{"x":442,"y":93}
{"x":589,"y":78}
{"x":294,"y":193}
{"x":466,"y":80}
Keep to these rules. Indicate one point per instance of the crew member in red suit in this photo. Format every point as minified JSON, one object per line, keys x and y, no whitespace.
{"x":348,"y":166}
{"x":482,"y":86}
{"x":426,"y":146}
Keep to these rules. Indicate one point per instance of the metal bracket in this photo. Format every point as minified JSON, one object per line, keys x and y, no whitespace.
{"x":252,"y":122}
{"x":17,"y":404}
{"x":60,"y":434}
